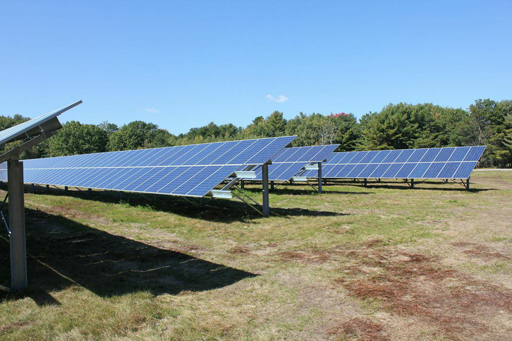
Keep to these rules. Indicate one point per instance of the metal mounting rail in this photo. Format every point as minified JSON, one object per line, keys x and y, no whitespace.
{"x":240,"y":194}
{"x":230,"y":184}
{"x":312,"y":186}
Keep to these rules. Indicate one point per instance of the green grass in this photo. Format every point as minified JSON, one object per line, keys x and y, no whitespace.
{"x":101,"y":268}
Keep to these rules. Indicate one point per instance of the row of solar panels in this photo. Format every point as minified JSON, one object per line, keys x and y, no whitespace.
{"x":192,"y":170}
{"x":291,"y":161}
{"x":426,"y":163}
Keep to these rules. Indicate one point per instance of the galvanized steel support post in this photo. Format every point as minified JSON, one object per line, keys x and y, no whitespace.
{"x":65,"y":188}
{"x":15,"y":186}
{"x":467,"y":184}
{"x":412,"y":183}
{"x":201,"y":202}
{"x":47,"y":189}
{"x":264,"y":178}
{"x":320,"y":177}
{"x":242,"y":184}
{"x":271,"y":185}
{"x":365,"y":182}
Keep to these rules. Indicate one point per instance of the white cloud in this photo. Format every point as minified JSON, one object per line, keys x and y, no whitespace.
{"x":152,"y":110}
{"x":278,"y":99}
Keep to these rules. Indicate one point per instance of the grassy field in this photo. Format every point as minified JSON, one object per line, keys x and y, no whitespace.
{"x":384,"y":262}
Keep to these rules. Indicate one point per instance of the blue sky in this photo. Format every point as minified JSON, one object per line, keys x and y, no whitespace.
{"x":183,"y":64}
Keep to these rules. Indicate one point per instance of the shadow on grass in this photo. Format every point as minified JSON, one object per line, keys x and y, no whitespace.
{"x":217,"y":210}
{"x":65,"y":253}
{"x":451,"y":186}
{"x":289,"y":190}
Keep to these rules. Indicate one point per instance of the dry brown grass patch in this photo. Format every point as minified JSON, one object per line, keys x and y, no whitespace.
{"x":360,"y":328}
{"x":413,"y":285}
{"x":305,"y":256}
{"x":75,"y":214}
{"x":240,"y":250}
{"x":480,"y":251}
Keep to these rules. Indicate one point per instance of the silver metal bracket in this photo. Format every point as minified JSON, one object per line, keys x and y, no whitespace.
{"x":246,"y":174}
{"x":222,"y":193}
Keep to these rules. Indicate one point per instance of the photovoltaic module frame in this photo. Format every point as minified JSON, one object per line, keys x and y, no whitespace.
{"x":44,"y":123}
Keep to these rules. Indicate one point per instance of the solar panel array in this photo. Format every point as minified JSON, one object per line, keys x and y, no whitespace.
{"x":426,"y":163}
{"x":38,"y":124}
{"x":290,"y":161}
{"x":191,"y":170}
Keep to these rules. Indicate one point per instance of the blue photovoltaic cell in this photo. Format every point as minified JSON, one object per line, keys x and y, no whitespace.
{"x":459,"y":154}
{"x":448,"y":170}
{"x":426,"y":163}
{"x":380,"y":170}
{"x":404,"y":155}
{"x":289,"y":162}
{"x":328,"y":171}
{"x":444,"y":154}
{"x":369,"y":157}
{"x":348,"y":157}
{"x":406,"y":169}
{"x":464,"y":170}
{"x":392,"y":170}
{"x":356,"y":170}
{"x":391,"y":157}
{"x":192,"y":170}
{"x":343,"y":173}
{"x":381,"y":156}
{"x":417,"y":155}
{"x":431,"y":155}
{"x":419,"y":170}
{"x":337,"y":157}
{"x":368,"y":170}
{"x":475,"y":153}
{"x":434,"y":170}
{"x":358,"y":157}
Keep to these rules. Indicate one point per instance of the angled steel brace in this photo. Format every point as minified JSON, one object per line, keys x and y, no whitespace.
{"x":14,"y":154}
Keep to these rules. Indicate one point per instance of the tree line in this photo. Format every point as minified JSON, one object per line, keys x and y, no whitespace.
{"x":396,"y":126}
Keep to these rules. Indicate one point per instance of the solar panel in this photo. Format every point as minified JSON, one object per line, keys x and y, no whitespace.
{"x":192,"y":170}
{"x":291,"y":161}
{"x":35,"y":126}
{"x":425,"y":163}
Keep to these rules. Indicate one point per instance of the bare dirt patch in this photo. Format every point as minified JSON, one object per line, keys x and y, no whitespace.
{"x":306,"y":256}
{"x":15,"y":325}
{"x":240,"y":250}
{"x":476,"y":250}
{"x":414,"y":285}
{"x":361,"y":328}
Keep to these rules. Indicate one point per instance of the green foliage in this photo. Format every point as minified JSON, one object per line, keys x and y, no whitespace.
{"x":273,"y":125}
{"x":491,"y":122}
{"x":77,"y":138}
{"x":7,"y":122}
{"x":109,"y":128}
{"x":210,"y":133}
{"x":396,"y":126}
{"x":138,"y":134}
